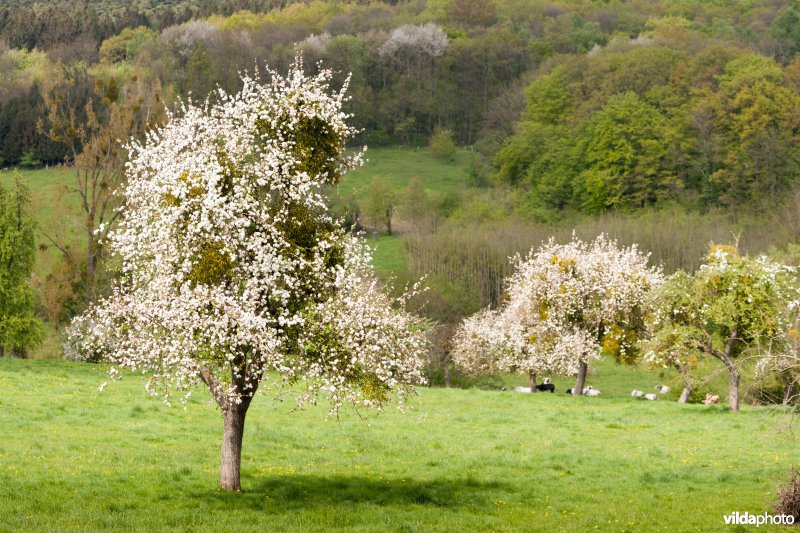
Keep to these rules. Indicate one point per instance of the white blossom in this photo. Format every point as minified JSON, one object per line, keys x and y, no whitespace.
{"x":563,"y":304}
{"x":234,"y":274}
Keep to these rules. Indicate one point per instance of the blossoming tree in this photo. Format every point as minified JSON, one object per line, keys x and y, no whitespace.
{"x":563,"y":305}
{"x":233,"y":274}
{"x":730,"y":304}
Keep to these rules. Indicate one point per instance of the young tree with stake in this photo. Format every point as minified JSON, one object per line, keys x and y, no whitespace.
{"x":233,"y":273}
{"x":563,"y":305}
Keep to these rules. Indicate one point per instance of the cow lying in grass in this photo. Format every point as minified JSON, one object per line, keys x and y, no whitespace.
{"x":546,"y":386}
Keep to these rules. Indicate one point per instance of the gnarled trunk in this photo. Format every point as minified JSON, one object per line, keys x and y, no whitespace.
{"x":687,"y":391}
{"x":733,"y":400}
{"x":232,"y":434}
{"x":581,"y":381}
{"x":533,"y":382}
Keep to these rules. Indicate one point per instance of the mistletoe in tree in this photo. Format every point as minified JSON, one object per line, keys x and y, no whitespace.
{"x":731,"y":304}
{"x":233,"y":273}
{"x":563,"y":305}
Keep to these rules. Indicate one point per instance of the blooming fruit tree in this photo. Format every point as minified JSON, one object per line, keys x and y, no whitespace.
{"x":563,"y":305}
{"x":731,"y":304}
{"x":234,"y":275}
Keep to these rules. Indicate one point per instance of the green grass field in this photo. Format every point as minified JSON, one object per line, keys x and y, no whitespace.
{"x":397,"y":165}
{"x":55,"y":209}
{"x":459,"y":460}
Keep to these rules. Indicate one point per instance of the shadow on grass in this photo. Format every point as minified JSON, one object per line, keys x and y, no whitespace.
{"x":299,"y":492}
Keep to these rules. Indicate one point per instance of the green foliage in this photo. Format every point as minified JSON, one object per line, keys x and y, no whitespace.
{"x":549,"y":100}
{"x":380,"y":203}
{"x":731,"y":304}
{"x":29,"y":160}
{"x":20,"y":329}
{"x":441,"y":143}
{"x":624,"y":152}
{"x":125,"y":45}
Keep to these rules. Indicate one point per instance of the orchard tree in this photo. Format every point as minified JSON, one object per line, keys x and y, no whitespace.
{"x":20,"y":329}
{"x":563,"y":305}
{"x":675,"y":346}
{"x":731,"y":304}
{"x":233,"y":273}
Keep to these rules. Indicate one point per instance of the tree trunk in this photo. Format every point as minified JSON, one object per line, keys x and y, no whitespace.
{"x":687,"y":391}
{"x":581,"y":381}
{"x":533,"y":382}
{"x":733,"y":400}
{"x":232,"y":433}
{"x":447,"y":375}
{"x":787,"y":392}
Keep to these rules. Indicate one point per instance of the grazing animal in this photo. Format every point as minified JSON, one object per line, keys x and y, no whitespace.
{"x":637,"y":393}
{"x":711,"y":399}
{"x":650,"y":396}
{"x":569,"y":391}
{"x":663,"y":389}
{"x":591,"y":391}
{"x":546,"y":386}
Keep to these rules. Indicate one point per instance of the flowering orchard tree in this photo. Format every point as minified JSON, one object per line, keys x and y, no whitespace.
{"x":563,"y":305}
{"x":233,"y":274}
{"x":731,"y":304}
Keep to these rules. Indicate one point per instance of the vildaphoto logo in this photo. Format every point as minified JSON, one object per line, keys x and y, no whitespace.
{"x":747,"y":519}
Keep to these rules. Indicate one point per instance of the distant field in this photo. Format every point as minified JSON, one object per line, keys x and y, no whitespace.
{"x":397,"y":165}
{"x":459,"y":460}
{"x":56,"y":210}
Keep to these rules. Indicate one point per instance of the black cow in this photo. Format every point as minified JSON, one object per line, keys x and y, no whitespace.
{"x":546,"y":386}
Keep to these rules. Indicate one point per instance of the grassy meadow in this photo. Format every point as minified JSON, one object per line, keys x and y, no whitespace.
{"x":458,"y":460}
{"x":397,"y":165}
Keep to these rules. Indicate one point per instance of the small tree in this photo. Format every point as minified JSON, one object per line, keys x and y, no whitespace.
{"x":20,"y":329}
{"x":232,"y":268}
{"x":441,"y":143}
{"x":562,"y":306}
{"x":730,"y":304}
{"x":416,"y":206}
{"x":380,"y":204}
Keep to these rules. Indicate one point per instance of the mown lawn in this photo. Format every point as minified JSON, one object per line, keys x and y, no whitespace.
{"x":459,"y":460}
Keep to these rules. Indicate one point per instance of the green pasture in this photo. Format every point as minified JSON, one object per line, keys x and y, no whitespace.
{"x":73,"y":458}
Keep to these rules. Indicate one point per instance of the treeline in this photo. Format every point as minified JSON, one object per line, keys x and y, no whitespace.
{"x":66,"y":24}
{"x":644,"y":120}
{"x":465,"y":66}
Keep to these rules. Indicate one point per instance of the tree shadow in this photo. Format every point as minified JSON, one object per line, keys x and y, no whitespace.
{"x":293,"y":492}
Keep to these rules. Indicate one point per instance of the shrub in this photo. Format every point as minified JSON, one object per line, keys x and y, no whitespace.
{"x":441,"y":143}
{"x":789,"y":496}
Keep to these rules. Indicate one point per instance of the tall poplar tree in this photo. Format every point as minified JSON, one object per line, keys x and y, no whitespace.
{"x":20,"y":329}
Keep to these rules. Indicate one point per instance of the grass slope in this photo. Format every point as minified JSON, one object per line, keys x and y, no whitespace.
{"x":459,"y":460}
{"x":397,"y":165}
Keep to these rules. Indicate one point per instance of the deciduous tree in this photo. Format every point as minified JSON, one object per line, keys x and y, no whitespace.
{"x":20,"y":328}
{"x":731,"y":304}
{"x":233,"y":273}
{"x":563,"y":305}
